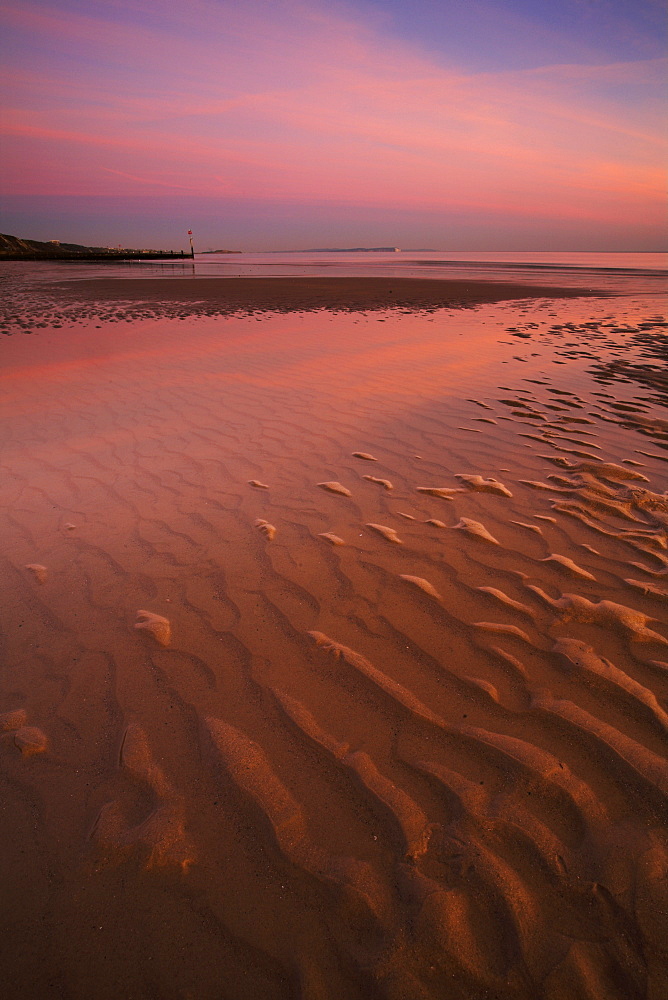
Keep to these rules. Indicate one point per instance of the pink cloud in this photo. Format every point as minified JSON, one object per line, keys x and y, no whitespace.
{"x":302,"y":101}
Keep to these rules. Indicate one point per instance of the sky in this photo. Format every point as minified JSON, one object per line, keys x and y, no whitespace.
{"x":290,"y":124}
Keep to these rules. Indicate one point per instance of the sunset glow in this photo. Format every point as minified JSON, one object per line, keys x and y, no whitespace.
{"x":296,"y":124}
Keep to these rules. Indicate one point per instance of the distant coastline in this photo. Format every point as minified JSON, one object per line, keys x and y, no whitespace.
{"x":355,"y":250}
{"x":358,"y":250}
{"x":15,"y":248}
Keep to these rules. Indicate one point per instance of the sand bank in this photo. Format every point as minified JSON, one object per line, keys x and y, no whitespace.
{"x":334,"y":653}
{"x":306,"y":293}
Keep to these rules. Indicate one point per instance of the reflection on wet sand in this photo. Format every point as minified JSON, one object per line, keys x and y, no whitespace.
{"x":398,"y":735}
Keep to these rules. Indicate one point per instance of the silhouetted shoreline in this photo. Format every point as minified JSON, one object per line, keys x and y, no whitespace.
{"x":15,"y":248}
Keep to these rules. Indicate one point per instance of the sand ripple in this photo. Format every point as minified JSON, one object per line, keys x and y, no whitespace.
{"x":158,"y":626}
{"x":422,"y":760}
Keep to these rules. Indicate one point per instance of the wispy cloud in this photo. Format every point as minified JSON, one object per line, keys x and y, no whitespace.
{"x":307,"y":100}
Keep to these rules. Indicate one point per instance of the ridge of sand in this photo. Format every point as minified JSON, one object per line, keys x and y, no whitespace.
{"x":232,"y":294}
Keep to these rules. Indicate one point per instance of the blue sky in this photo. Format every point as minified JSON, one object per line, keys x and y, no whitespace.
{"x":493,"y":35}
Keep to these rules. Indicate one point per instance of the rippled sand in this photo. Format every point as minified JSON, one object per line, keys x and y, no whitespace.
{"x":274,"y":727}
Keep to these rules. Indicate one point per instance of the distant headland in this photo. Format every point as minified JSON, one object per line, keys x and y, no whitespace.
{"x":355,"y":250}
{"x":371,"y":250}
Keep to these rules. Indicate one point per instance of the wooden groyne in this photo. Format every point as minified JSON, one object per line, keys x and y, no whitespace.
{"x":107,"y":257}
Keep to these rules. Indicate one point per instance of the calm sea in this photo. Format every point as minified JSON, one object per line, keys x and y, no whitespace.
{"x":634,"y":271}
{"x":625,"y":272}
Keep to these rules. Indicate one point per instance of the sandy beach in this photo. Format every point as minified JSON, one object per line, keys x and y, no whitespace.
{"x":334,"y":641}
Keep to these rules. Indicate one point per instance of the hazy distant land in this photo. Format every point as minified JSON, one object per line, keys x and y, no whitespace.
{"x":355,"y":250}
{"x":370,"y":250}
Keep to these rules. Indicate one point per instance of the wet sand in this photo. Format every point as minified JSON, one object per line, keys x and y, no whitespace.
{"x":334,"y":646}
{"x":232,"y":294}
